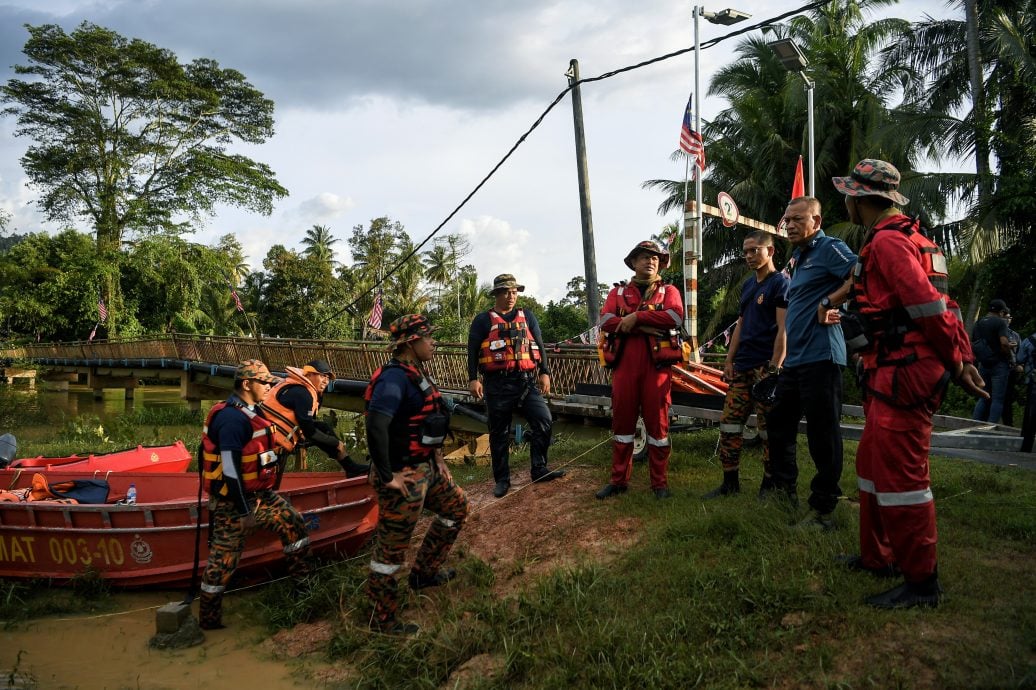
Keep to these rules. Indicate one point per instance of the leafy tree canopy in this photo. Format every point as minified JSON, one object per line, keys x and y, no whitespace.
{"x":127,"y":137}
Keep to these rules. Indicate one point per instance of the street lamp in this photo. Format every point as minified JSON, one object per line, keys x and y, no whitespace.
{"x":690,"y":284}
{"x":794,"y":61}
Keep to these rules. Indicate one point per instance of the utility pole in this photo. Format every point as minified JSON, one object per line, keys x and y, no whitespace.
{"x":593,"y":298}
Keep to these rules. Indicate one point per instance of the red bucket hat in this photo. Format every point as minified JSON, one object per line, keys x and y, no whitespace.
{"x":651,"y":247}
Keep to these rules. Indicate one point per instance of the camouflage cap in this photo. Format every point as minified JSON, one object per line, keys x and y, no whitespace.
{"x":254,"y":369}
{"x":506,"y":281}
{"x":872,"y":177}
{"x":651,"y":247}
{"x":409,"y":327}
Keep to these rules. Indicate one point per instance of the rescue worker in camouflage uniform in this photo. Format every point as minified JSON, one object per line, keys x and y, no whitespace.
{"x":407,"y":423}
{"x":241,"y":468}
{"x":756,"y":351}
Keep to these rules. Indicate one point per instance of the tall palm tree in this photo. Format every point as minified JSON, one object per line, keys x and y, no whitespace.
{"x":318,"y":242}
{"x":973,"y":91}
{"x":754,"y":144}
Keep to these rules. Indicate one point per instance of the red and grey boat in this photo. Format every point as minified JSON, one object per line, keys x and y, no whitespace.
{"x":169,"y":458}
{"x":151,"y":543}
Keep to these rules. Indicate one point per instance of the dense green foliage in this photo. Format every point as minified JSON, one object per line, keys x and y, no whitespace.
{"x":891,"y":90}
{"x":130,"y":139}
{"x":883,"y":88}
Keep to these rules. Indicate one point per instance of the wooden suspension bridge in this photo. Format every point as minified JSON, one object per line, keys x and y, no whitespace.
{"x":203,"y":367}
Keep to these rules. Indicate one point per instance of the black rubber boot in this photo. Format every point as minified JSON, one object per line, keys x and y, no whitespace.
{"x":611,"y":490}
{"x":353,"y":468}
{"x":542,"y":474}
{"x":908,"y":595}
{"x":501,"y":488}
{"x":854,"y":562}
{"x":731,"y":485}
{"x":418,"y":581}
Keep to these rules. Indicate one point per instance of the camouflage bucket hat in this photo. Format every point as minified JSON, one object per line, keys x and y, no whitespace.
{"x":409,"y":327}
{"x":255,"y":369}
{"x":506,"y":281}
{"x":872,"y":177}
{"x":651,"y":247}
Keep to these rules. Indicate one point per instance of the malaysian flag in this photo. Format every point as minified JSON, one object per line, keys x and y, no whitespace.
{"x":691,"y":141}
{"x":237,"y":301}
{"x":102,"y":311}
{"x":376,"y":311}
{"x":93,"y":334}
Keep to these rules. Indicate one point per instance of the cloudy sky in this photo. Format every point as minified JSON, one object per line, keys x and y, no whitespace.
{"x":399,"y":107}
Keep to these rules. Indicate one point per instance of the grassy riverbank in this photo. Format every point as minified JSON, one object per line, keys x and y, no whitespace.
{"x":557,"y":589}
{"x":717,"y":594}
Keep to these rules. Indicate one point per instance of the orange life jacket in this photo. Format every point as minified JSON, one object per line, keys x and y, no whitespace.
{"x":412,"y":433}
{"x":665,"y":350}
{"x":258,"y":459}
{"x":509,"y":345}
{"x":286,"y":430}
{"x":888,"y":330}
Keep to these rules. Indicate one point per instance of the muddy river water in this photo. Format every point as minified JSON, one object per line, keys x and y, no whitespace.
{"x":110,"y":652}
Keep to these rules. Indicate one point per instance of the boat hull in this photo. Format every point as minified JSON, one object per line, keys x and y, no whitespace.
{"x":151,"y":543}
{"x":171,"y":458}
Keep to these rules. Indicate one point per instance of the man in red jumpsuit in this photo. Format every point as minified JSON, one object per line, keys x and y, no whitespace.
{"x":640,"y":322}
{"x":916,"y":344}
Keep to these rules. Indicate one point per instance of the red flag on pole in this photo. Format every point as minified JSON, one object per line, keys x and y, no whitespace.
{"x":799,"y":187}
{"x":690,"y":140}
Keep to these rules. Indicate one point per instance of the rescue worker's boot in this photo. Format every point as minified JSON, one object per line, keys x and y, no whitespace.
{"x":419,"y":581}
{"x":210,"y":611}
{"x":731,"y":485}
{"x":611,"y":490}
{"x":926,"y":593}
{"x":501,"y":488}
{"x":540,"y":473}
{"x":353,"y":468}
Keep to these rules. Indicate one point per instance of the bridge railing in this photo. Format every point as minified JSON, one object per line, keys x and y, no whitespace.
{"x":356,"y":360}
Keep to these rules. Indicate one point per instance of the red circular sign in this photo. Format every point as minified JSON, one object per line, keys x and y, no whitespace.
{"x":728,"y":211}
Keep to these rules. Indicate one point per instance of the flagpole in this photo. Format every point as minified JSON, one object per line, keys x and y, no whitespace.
{"x":692,"y":249}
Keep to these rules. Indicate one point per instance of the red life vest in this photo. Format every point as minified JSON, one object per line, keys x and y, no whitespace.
{"x":420,"y":443}
{"x":258,"y":459}
{"x":888,"y":330}
{"x":509,"y":345}
{"x":664,"y":350}
{"x":286,"y":430}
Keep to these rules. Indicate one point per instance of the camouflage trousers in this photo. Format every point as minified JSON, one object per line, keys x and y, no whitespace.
{"x":272,"y":512}
{"x":737,"y":407}
{"x":397,"y":518}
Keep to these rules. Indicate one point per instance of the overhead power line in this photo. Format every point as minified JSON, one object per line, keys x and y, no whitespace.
{"x":586,"y":80}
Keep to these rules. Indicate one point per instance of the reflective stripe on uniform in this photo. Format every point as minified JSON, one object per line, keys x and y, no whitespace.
{"x":623,"y":438}
{"x":763,"y":435}
{"x":604,"y":318}
{"x":658,"y":441}
{"x":445,"y":521}
{"x":384,"y":568}
{"x":677,"y":318}
{"x":896,"y":498}
{"x":212,"y":589}
{"x":919,"y":311}
{"x":731,"y":428}
{"x":295,"y":546}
